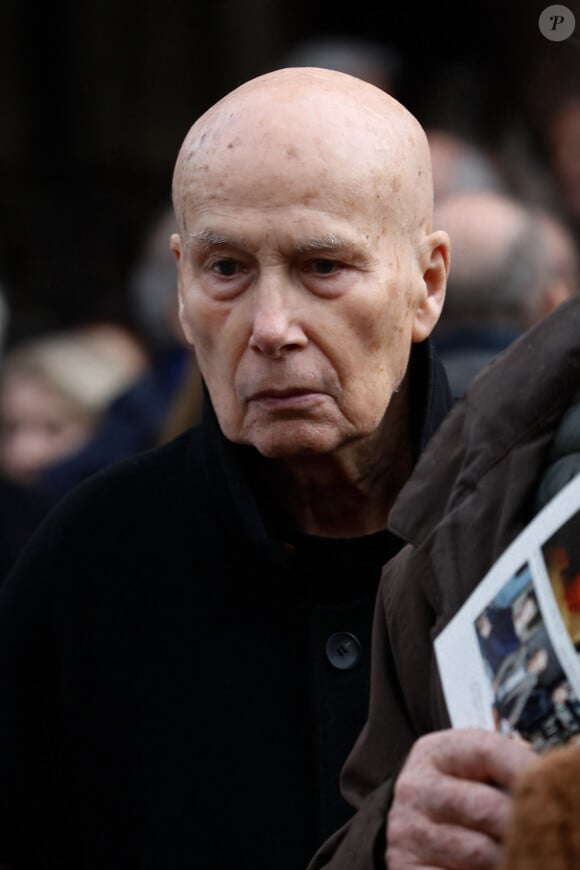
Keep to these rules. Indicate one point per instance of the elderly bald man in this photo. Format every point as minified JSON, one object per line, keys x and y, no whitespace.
{"x":184,"y":646}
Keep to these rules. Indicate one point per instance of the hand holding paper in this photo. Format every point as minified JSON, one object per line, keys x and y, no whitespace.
{"x":451,"y":805}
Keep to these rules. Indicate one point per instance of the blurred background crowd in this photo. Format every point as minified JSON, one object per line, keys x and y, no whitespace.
{"x":96,"y":100}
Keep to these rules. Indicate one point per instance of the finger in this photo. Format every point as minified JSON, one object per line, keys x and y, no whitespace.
{"x":473,"y":805}
{"x":446,"y":799}
{"x":476,"y":754}
{"x":415,"y":842}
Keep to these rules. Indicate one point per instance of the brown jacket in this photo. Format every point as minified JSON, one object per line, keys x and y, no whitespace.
{"x":470,"y":495}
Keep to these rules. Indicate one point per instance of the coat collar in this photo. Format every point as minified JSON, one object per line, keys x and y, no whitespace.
{"x":523,"y":390}
{"x":473,"y":488}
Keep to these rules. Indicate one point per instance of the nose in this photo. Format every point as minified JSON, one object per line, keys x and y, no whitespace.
{"x":275,"y":328}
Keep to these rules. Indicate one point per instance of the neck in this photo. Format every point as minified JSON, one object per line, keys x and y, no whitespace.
{"x":350,"y":492}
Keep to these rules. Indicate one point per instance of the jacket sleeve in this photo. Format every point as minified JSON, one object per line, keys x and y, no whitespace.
{"x":360,"y":844}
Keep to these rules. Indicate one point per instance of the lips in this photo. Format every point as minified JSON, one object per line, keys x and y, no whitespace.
{"x":289,"y":392}
{"x":287,"y":399}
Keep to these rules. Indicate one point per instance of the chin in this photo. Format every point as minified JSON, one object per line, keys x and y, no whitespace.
{"x":285,"y":451}
{"x":299,"y":441}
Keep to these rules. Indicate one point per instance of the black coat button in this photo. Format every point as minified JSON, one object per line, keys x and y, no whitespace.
{"x":342,"y":650}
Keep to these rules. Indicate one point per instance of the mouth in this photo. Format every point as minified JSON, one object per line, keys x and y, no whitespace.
{"x":293,"y":397}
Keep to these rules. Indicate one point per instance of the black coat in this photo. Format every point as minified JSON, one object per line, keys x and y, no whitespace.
{"x":167,"y":695}
{"x":21,"y":510}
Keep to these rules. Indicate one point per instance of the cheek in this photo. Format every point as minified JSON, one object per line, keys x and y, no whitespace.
{"x":217,"y":337}
{"x":379,"y":344}
{"x":206,"y":324}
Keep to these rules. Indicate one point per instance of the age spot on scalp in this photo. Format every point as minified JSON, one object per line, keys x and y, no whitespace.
{"x":395,"y":184}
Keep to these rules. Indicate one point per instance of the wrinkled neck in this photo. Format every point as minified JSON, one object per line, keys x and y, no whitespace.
{"x":350,"y":492}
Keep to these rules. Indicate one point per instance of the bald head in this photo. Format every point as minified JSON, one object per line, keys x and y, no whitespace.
{"x":303,"y":127}
{"x":306,"y":264}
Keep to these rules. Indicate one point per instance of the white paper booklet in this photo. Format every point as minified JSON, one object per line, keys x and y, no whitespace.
{"x":509,"y":660}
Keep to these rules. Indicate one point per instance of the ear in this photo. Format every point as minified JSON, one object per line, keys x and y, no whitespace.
{"x":175,"y":245}
{"x":436,"y":258}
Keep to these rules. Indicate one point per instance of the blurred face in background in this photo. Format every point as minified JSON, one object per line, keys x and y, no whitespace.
{"x":38,"y":427}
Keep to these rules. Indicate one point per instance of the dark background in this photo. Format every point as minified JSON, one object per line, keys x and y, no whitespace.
{"x":97,"y":98}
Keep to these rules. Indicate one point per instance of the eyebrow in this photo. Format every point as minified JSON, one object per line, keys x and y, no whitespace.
{"x":324,"y":244}
{"x":208,"y":238}
{"x":327,"y":244}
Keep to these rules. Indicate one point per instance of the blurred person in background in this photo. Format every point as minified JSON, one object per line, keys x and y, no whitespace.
{"x":510,"y":266}
{"x":369,"y":60}
{"x":54,"y":391}
{"x":460,"y":165}
{"x":152,"y":297}
{"x":174,"y":381}
{"x":478,"y":140}
{"x":143,"y":414}
{"x":21,"y":508}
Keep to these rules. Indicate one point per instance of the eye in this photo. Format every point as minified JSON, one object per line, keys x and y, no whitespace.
{"x":321,"y":266}
{"x":226,"y":267}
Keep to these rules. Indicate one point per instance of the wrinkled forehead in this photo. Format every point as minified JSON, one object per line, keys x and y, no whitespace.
{"x":303,"y":141}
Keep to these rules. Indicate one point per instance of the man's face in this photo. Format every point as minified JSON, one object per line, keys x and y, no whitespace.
{"x":298,"y":292}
